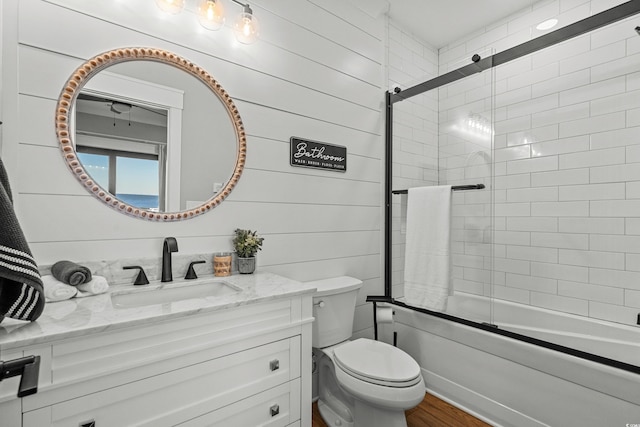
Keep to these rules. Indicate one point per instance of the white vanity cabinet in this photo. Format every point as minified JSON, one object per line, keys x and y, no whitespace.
{"x":248,"y":365}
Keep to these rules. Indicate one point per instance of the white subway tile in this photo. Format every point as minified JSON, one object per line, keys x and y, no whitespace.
{"x":513,"y":97}
{"x":540,"y":194}
{"x":603,"y":123}
{"x":593,"y":91}
{"x":614,"y":243}
{"x":512,"y":153}
{"x":531,"y":283}
{"x":560,"y":83}
{"x":535,"y":105}
{"x":618,"y":173}
{"x":613,"y":260}
{"x":615,"y":208}
{"x":560,"y":115}
{"x":560,"y":209}
{"x":615,"y":68}
{"x":511,"y":237}
{"x":560,"y":240}
{"x":604,"y":157}
{"x":610,"y":104}
{"x":591,"y":225}
{"x":530,"y":77}
{"x":633,"y":153}
{"x":531,"y":136}
{"x":632,"y":226}
{"x":511,"y":266}
{"x":633,"y":79}
{"x":615,"y":138}
{"x":591,"y":292}
{"x":517,"y":181}
{"x":537,"y":164}
{"x":542,"y":224}
{"x":592,"y":192}
{"x":593,"y":57}
{"x":464,"y":260}
{"x":563,"y":177}
{"x":512,"y":209}
{"x":512,"y":125}
{"x":617,"y":278}
{"x":511,"y":294}
{"x":529,"y":253}
{"x":559,"y":271}
{"x":470,"y":287}
{"x":632,"y":298}
{"x":560,"y":303}
{"x":566,"y":5}
{"x":613,"y":313}
{"x":534,"y":17}
{"x":560,"y":146}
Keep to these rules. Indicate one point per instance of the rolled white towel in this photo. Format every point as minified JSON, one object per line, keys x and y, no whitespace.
{"x":55,"y":290}
{"x":97,"y":285}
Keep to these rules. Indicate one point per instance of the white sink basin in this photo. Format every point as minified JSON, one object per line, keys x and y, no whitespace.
{"x":165,"y":295}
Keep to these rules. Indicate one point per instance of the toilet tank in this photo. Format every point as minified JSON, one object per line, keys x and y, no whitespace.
{"x":334,"y":305}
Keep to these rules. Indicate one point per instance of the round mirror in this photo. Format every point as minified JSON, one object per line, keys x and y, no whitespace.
{"x":150,"y":134}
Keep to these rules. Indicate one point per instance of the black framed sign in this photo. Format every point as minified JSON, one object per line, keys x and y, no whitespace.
{"x":320,"y":155}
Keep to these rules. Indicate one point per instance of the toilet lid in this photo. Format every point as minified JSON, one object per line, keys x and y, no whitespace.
{"x":377,"y":362}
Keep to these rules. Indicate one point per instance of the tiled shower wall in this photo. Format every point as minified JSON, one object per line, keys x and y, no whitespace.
{"x":415,"y":132}
{"x":559,"y":225}
{"x":566,"y":159}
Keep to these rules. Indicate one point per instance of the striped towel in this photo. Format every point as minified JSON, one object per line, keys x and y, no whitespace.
{"x":21,"y":290}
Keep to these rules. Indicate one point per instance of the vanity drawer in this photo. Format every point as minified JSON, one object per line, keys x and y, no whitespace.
{"x":173,"y":397}
{"x":276,"y":407}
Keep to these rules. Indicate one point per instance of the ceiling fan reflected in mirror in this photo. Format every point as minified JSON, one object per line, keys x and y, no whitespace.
{"x":101,"y":106}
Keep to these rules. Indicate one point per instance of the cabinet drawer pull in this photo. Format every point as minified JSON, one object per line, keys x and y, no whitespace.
{"x":274,"y":365}
{"x":275,"y":410}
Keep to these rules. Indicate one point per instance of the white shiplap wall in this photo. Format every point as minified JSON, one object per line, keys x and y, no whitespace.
{"x":316,"y":73}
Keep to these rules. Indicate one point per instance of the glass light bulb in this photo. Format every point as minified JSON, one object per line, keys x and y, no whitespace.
{"x":211,"y":14}
{"x":246,"y":28}
{"x":171,"y":6}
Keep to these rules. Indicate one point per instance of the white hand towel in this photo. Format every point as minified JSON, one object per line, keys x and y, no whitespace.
{"x":55,"y":290}
{"x":427,"y":270}
{"x":97,"y":285}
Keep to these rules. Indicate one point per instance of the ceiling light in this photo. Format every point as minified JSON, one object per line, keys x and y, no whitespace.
{"x":547,"y":25}
{"x":246,"y":26}
{"x":171,"y":6}
{"x":211,"y":14}
{"x":120,"y":107}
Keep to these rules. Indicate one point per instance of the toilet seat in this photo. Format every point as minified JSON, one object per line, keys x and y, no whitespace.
{"x":377,"y":363}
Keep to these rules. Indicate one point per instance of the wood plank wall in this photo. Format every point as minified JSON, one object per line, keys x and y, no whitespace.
{"x":316,"y":73}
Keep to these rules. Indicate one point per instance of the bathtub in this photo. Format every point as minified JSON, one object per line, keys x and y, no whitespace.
{"x":509,"y":382}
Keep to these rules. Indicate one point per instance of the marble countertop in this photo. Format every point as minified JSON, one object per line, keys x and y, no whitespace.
{"x":82,"y":316}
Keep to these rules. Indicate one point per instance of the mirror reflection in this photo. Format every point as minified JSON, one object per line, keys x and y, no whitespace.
{"x":151,"y":133}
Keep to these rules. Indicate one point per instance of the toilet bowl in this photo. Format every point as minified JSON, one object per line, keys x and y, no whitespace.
{"x":361,"y":382}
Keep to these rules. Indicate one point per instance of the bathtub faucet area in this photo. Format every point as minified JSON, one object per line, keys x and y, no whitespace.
{"x":170,"y":245}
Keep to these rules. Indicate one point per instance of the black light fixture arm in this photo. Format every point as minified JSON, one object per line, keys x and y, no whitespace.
{"x":246,"y":7}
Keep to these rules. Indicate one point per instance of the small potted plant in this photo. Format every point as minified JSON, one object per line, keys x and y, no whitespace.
{"x":246,"y":244}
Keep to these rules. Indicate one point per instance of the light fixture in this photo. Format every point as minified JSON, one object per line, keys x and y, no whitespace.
{"x":211,"y":14}
{"x":547,"y":25}
{"x":171,"y":6}
{"x":246,"y":25}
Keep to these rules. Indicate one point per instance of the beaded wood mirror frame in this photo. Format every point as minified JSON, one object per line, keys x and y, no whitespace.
{"x":79,"y":78}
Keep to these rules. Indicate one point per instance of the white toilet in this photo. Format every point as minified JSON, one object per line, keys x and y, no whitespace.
{"x":361,"y":383}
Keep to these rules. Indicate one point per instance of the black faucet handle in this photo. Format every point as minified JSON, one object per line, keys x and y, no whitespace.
{"x":28,"y":368}
{"x":191,"y":272}
{"x":141,"y":279}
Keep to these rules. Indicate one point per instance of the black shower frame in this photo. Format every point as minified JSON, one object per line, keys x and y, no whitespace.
{"x":584,"y":26}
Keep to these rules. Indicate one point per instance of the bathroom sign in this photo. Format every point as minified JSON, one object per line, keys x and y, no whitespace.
{"x":314,"y":154}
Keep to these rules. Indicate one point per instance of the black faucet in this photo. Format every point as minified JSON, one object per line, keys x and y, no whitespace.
{"x":170,"y":245}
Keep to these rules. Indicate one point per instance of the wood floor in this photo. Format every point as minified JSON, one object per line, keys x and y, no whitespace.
{"x":432,"y":412}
